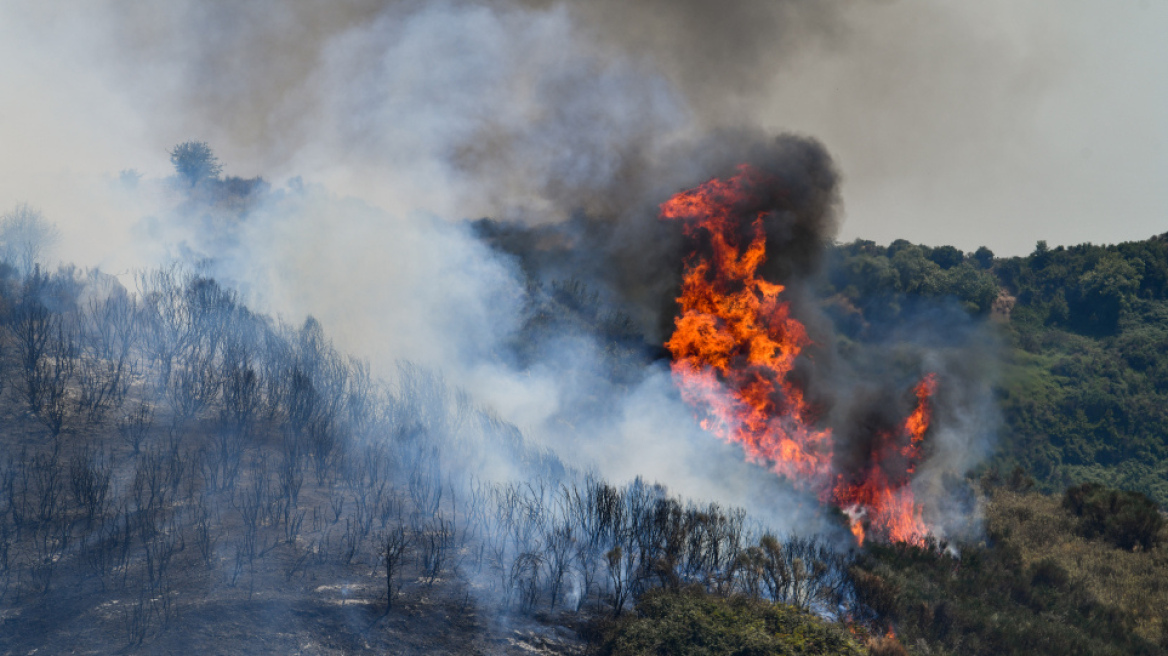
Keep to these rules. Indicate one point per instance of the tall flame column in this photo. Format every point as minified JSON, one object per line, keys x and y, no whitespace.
{"x":735,"y":345}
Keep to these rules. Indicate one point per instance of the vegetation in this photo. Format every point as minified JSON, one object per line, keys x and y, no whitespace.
{"x":194,"y":162}
{"x":693,"y":622}
{"x":1128,"y":520}
{"x":217,"y":203}
{"x":171,"y":458}
{"x":25,"y":238}
{"x":1077,"y":334}
{"x":1080,"y":333}
{"x":1035,"y":586}
{"x":171,"y":451}
{"x":1084,"y":385}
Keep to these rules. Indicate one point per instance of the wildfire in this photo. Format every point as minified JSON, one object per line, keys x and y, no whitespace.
{"x":879,"y":492}
{"x":735,"y":345}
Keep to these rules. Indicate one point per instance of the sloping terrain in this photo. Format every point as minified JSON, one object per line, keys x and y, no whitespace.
{"x":179,"y":471}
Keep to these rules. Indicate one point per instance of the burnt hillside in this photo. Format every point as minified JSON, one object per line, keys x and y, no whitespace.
{"x":177,"y":468}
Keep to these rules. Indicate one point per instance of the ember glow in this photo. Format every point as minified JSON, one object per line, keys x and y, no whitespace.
{"x":735,"y":345}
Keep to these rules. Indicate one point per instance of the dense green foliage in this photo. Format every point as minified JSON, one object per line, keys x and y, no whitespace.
{"x":1084,"y":383}
{"x":694,"y":622}
{"x":881,"y":283}
{"x":1083,"y":394}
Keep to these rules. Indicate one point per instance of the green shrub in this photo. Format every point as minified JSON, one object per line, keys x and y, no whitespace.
{"x":1126,"y":519}
{"x":1048,"y":573}
{"x":693,"y":622}
{"x":1033,"y":587}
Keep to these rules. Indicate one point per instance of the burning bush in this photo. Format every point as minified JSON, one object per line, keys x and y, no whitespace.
{"x":738,"y":357}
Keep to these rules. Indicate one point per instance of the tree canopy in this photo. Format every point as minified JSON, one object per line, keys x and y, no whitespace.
{"x":1084,"y":386}
{"x":194,"y":162}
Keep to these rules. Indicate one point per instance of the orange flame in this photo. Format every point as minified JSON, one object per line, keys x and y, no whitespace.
{"x":735,"y":345}
{"x":735,"y":333}
{"x":879,"y":492}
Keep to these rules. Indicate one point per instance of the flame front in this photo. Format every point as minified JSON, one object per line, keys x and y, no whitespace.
{"x":734,"y":333}
{"x":734,"y":348}
{"x":879,"y":492}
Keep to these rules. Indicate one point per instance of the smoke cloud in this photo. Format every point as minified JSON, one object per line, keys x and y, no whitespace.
{"x":993,"y":123}
{"x":566,"y":123}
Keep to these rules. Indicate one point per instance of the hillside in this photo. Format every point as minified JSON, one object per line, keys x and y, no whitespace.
{"x":1083,"y":384}
{"x":529,"y":328}
{"x":177,"y":468}
{"x":1043,"y":581}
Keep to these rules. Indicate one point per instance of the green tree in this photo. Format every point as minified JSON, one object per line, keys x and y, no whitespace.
{"x":984,"y":257}
{"x":1126,"y":519}
{"x":918,"y":274}
{"x":1107,"y":290}
{"x":947,"y":257}
{"x":975,"y":289}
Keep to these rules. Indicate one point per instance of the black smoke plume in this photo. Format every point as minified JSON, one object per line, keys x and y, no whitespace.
{"x":635,"y":260}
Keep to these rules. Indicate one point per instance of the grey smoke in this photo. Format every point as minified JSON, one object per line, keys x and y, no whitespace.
{"x":575,"y":118}
{"x":993,"y":122}
{"x":863,"y":397}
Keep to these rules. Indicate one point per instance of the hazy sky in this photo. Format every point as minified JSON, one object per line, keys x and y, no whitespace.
{"x":994,"y":122}
{"x":997,"y":123}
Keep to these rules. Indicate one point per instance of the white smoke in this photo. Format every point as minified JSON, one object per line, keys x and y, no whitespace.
{"x":405,"y":118}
